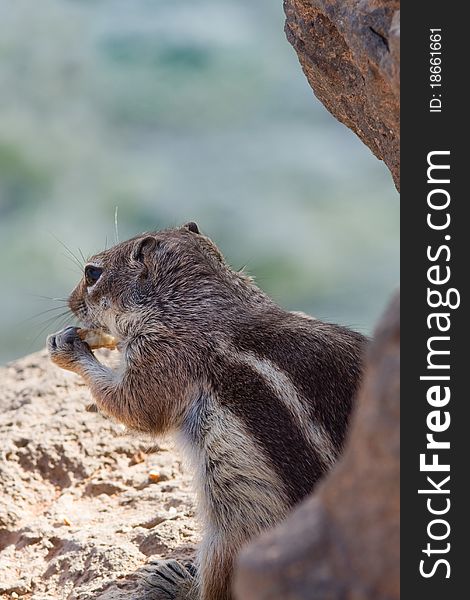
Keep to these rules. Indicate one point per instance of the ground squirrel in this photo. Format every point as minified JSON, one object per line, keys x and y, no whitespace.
{"x":258,"y":397}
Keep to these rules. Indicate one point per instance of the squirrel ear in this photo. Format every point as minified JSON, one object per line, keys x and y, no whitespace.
{"x":192,"y":227}
{"x":144,"y":247}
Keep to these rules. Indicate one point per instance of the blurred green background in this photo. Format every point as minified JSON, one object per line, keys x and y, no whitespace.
{"x":177,"y":111}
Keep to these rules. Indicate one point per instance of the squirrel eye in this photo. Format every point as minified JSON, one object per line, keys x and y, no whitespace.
{"x":92,"y":274}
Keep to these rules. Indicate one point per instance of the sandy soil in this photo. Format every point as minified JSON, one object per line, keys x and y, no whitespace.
{"x":83,"y":506}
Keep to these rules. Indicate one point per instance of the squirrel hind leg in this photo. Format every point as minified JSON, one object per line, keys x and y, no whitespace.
{"x":170,"y":580}
{"x":215,"y":567}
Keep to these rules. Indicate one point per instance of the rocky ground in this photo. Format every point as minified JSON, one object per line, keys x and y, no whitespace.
{"x":84,"y":507}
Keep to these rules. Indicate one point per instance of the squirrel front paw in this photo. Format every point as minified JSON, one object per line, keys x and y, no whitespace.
{"x":67,"y":350}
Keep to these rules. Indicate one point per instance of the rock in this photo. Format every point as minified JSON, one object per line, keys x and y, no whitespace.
{"x":151,"y":543}
{"x":343,"y":541}
{"x":350,"y":53}
{"x":71,"y":493}
{"x":97,"y":487}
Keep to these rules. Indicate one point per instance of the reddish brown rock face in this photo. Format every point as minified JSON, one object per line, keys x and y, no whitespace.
{"x":349,"y":51}
{"x":343,"y":542}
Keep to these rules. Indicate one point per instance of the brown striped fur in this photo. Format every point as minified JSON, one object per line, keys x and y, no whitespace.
{"x":258,"y":397}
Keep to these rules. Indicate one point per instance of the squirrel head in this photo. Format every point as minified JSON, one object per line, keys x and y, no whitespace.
{"x":172,"y":278}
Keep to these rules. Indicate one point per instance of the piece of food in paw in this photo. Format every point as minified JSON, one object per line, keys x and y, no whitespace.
{"x":96,"y":338}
